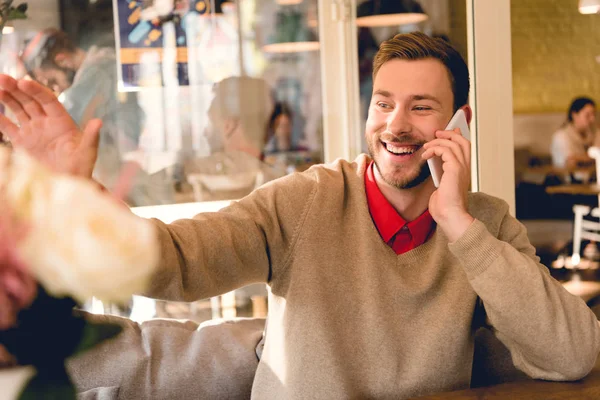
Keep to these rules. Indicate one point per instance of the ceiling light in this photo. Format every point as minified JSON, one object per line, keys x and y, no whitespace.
{"x":589,"y":6}
{"x":291,"y":35}
{"x":377,"y":13}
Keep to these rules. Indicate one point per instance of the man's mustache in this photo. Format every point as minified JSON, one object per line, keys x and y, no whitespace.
{"x":389,"y":137}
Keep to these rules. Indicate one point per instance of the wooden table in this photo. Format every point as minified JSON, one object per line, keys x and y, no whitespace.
{"x":539,"y":174}
{"x":588,"y":189}
{"x":587,"y":388}
{"x":587,"y":290}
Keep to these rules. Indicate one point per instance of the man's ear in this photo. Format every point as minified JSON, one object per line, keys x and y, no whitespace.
{"x":468,"y":113}
{"x":62,"y":60}
{"x":228,"y":127}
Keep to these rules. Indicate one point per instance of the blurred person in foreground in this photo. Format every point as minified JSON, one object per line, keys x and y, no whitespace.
{"x":378,"y":280}
{"x":88,"y":84}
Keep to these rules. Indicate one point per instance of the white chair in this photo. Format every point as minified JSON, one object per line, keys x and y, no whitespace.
{"x":594,"y":152}
{"x":590,"y":230}
{"x":584,"y":229}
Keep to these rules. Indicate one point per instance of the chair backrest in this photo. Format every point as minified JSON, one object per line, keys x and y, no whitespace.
{"x":594,"y":152}
{"x":584,"y":229}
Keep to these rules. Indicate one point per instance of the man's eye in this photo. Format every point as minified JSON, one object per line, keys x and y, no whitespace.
{"x":421,"y":108}
{"x":383,"y":105}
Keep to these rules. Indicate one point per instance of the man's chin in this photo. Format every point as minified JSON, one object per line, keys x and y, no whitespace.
{"x":408,"y":181}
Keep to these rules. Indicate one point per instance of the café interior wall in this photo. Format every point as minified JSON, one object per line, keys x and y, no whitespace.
{"x":458,"y":25}
{"x":554,"y":55}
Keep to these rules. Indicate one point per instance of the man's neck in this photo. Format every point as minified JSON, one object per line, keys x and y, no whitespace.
{"x":410,"y":203}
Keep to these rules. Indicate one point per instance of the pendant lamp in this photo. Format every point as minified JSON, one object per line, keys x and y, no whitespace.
{"x":291,"y":35}
{"x":378,"y":13}
{"x":589,"y":6}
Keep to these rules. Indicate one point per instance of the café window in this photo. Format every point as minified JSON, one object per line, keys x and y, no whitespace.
{"x":210,"y":98}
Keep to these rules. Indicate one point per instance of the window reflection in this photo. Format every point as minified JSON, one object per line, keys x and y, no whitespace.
{"x":210,"y":98}
{"x":237,"y":132}
{"x":202,"y":94}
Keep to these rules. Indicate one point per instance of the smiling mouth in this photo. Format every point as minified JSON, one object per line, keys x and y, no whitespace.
{"x":400,"y":149}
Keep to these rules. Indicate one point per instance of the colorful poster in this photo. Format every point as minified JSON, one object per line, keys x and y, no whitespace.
{"x":151,"y":41}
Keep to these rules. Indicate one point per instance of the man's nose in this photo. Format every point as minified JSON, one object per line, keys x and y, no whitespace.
{"x":399,"y":122}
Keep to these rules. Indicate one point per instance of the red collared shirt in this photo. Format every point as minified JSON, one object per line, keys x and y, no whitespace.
{"x":400,"y":235}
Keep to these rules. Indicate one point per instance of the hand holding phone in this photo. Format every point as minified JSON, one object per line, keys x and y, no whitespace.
{"x":459,"y":120}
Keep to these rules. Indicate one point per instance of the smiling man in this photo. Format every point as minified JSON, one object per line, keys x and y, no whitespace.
{"x":378,"y":280}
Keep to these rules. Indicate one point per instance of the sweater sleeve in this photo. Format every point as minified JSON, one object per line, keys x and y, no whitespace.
{"x":550,"y":333}
{"x":251,"y":241}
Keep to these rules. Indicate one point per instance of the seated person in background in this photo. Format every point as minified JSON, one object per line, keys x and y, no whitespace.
{"x":238,"y":117}
{"x":87,"y":81}
{"x":280,"y":150}
{"x":280,"y":129}
{"x":571,"y":142}
{"x":378,"y":280}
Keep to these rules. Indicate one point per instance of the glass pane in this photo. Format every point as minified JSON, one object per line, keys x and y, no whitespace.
{"x":378,"y":21}
{"x":210,"y":98}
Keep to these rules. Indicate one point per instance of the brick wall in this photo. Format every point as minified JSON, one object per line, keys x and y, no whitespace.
{"x":458,"y":26}
{"x":554,"y":50}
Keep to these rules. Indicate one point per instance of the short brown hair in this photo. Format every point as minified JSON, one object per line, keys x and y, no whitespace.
{"x":42,"y":49}
{"x":418,"y":46}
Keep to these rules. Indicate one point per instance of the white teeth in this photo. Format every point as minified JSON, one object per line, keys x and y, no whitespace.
{"x":398,"y":149}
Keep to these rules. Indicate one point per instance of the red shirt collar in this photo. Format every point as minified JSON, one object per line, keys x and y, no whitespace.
{"x":387,"y":220}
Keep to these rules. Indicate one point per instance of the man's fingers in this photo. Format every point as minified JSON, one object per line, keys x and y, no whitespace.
{"x":7,"y":127}
{"x":31,"y":107}
{"x":43,"y":96}
{"x":454,"y":147}
{"x":450,"y":161}
{"x":455,"y":136}
{"x":7,"y":82}
{"x":28,"y":103}
{"x":88,"y":147}
{"x":125,"y":180}
{"x":91,"y":134}
{"x":13,"y":105}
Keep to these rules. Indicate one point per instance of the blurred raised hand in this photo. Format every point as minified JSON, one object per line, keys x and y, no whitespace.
{"x":46,"y":130}
{"x":18,"y":288}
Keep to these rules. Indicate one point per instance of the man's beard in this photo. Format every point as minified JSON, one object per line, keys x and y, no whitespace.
{"x":405,"y":183}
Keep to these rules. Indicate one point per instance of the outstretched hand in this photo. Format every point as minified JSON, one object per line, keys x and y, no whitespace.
{"x":46,"y":130}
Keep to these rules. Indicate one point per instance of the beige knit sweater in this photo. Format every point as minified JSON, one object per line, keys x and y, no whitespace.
{"x":348,"y":318}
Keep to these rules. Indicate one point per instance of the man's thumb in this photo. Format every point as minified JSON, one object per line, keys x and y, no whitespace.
{"x":91,"y":134}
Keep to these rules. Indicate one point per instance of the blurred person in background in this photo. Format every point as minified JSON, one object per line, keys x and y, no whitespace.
{"x":281,"y":150}
{"x":579,"y":132}
{"x":87,"y":83}
{"x":238,"y":121}
{"x":280,"y":129}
